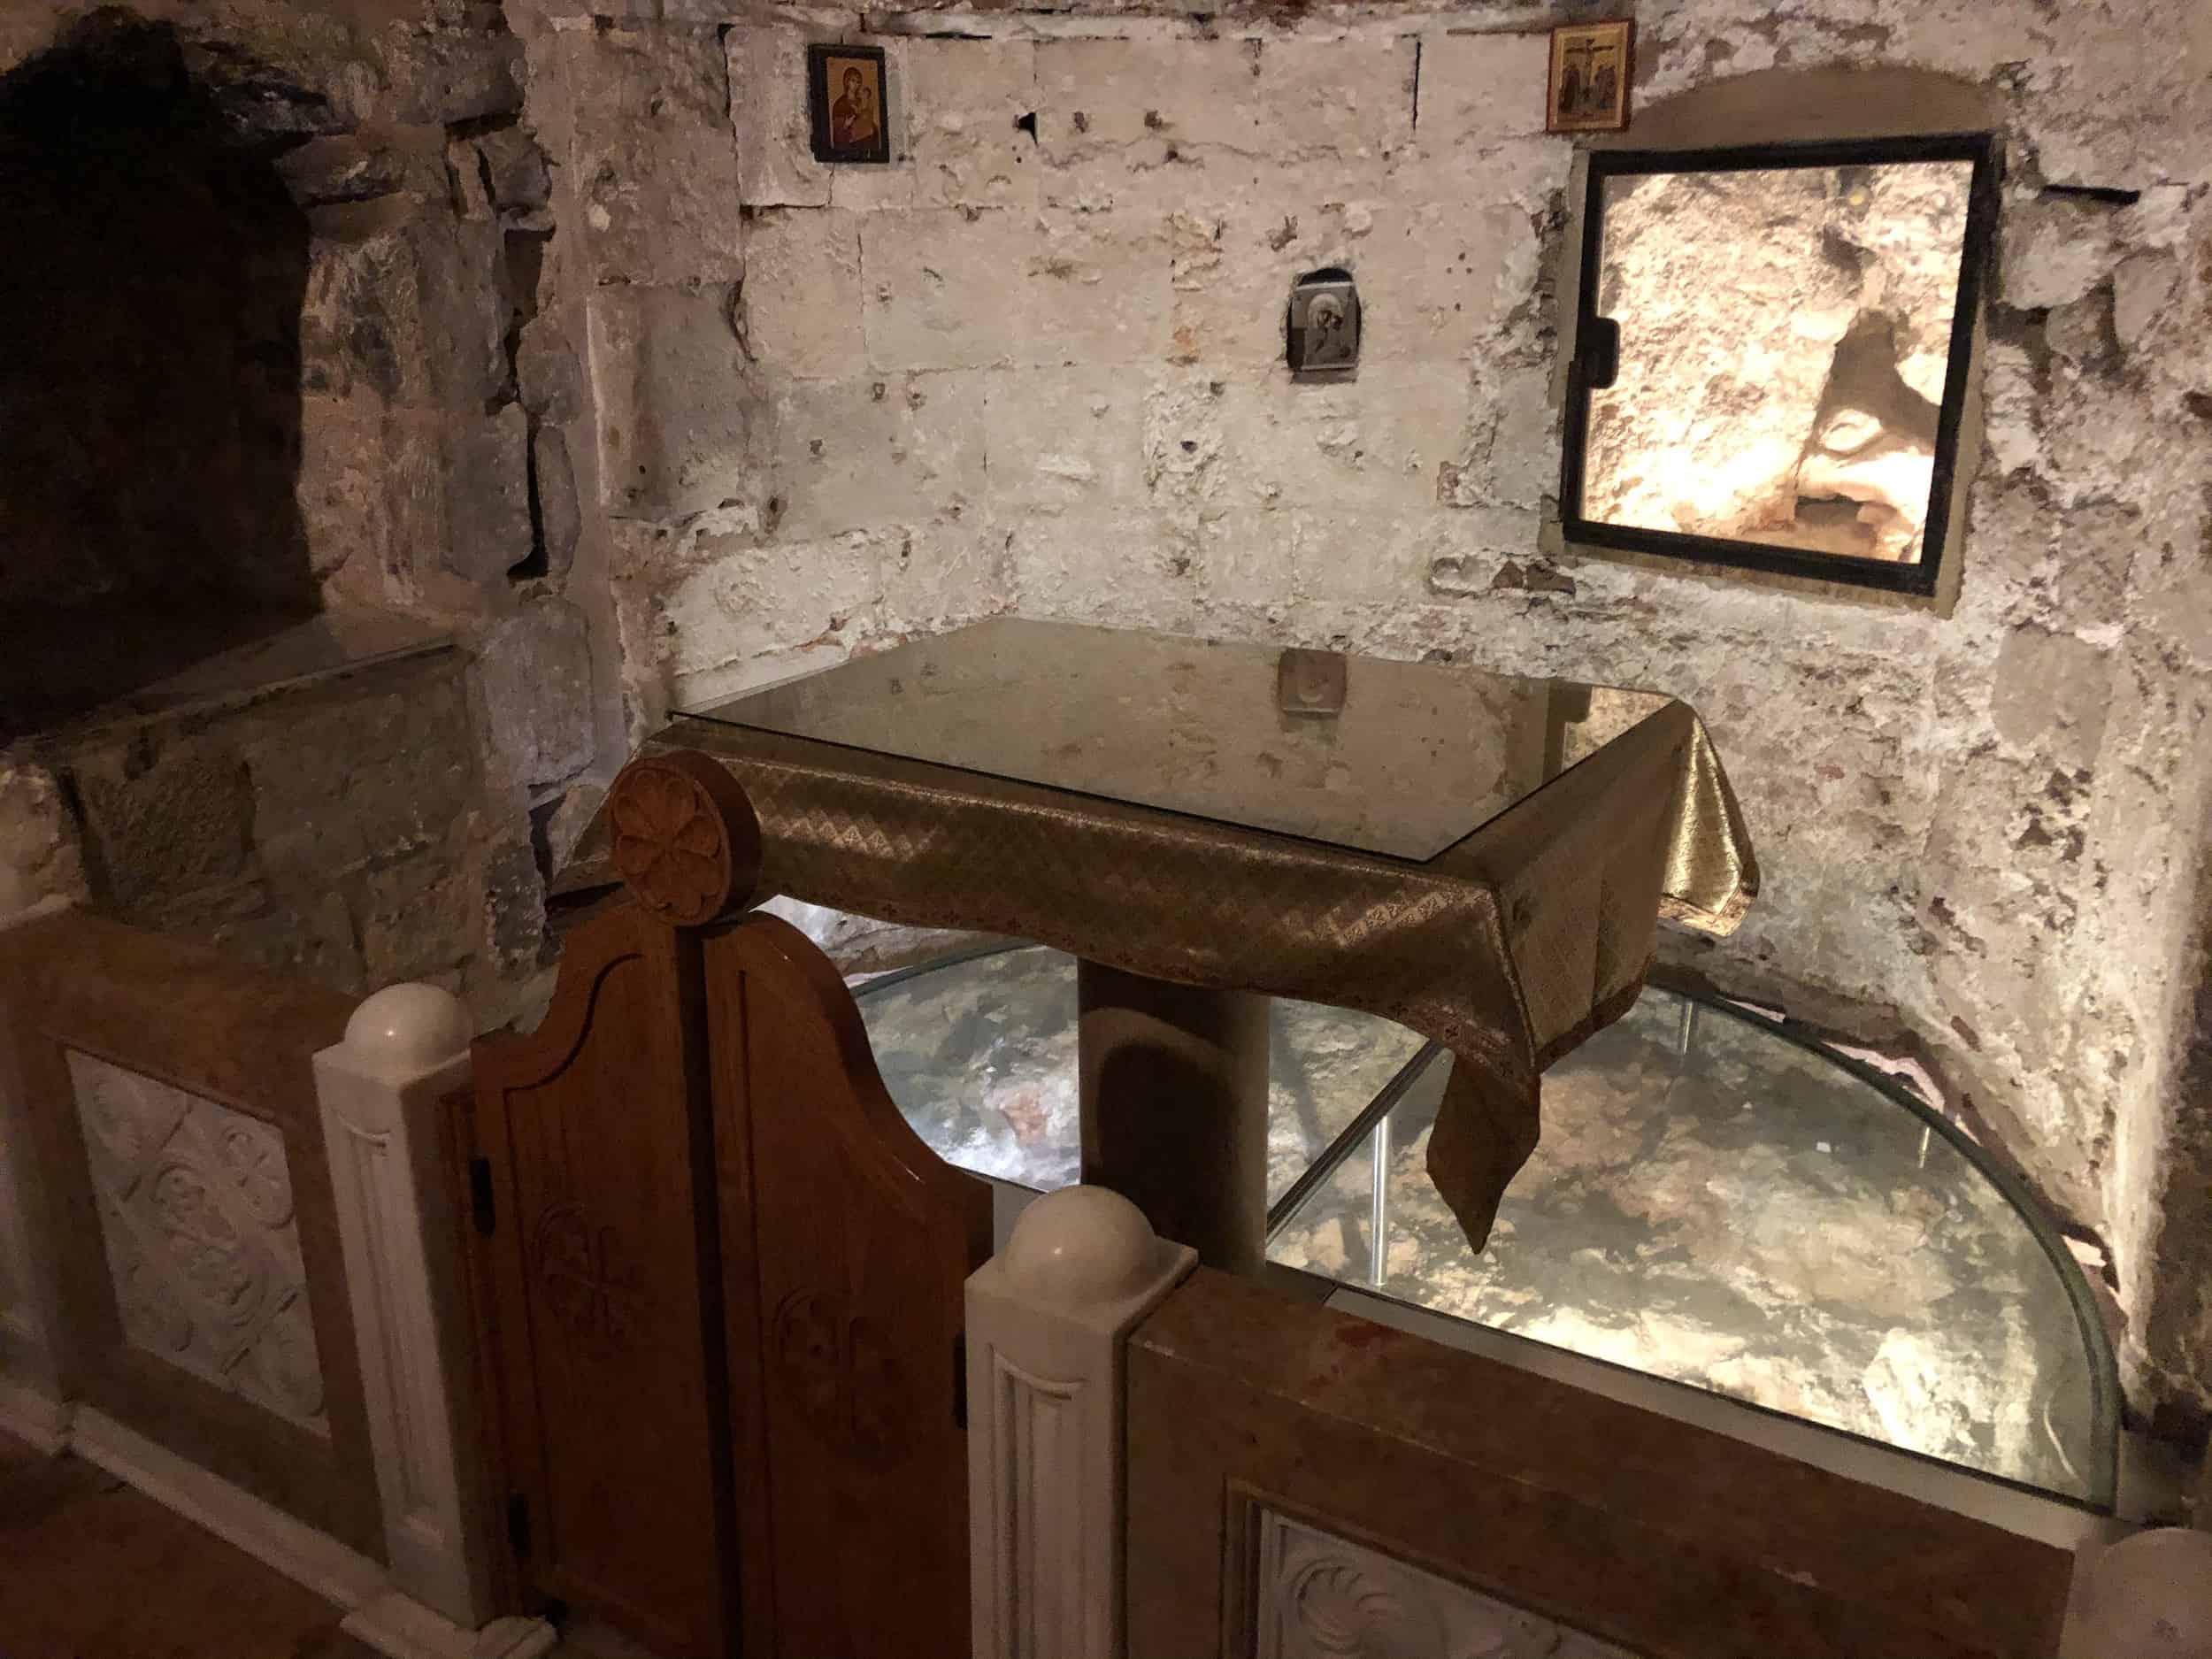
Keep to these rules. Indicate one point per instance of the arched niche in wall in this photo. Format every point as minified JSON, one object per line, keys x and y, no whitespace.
{"x":1770,"y":367}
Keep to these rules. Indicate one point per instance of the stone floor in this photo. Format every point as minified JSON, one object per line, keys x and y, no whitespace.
{"x":1711,"y":1203}
{"x":93,"y":1569}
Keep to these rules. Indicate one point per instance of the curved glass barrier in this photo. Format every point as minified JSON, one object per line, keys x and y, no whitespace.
{"x":1717,"y":1201}
{"x":979,"y":1051}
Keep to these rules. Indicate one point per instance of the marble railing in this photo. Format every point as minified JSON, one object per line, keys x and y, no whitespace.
{"x":1165,"y":1459}
{"x":228,"y":1264}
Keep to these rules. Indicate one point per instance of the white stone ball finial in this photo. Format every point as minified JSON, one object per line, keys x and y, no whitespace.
{"x":1081,"y":1245}
{"x":2150,"y":1597}
{"x":406,"y":1030}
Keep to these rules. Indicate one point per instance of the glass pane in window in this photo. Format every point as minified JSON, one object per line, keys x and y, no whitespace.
{"x":1784,"y":338}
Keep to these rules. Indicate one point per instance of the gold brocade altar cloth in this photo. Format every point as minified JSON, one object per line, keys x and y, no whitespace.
{"x":1509,"y":946}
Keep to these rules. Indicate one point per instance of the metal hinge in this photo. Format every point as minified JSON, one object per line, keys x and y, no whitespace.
{"x":518,"y":1523}
{"x":480,"y":1196}
{"x":960,"y":1379}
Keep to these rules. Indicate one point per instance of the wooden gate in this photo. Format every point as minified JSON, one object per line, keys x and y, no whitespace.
{"x":846,"y":1246}
{"x":721,"y":1279}
{"x":595,"y":1204}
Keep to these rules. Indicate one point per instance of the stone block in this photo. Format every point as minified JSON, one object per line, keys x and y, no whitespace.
{"x":802,"y":294}
{"x":1234,"y":255}
{"x":656,"y":162}
{"x":858,"y":187}
{"x":298,"y":923}
{"x":941,"y":575}
{"x":747,"y":600}
{"x":674,"y":399}
{"x":1511,"y":455}
{"x":547,"y":376}
{"x":534,"y":671}
{"x":1477,"y":88}
{"x":2056,"y":249}
{"x":1372,"y":444}
{"x":466,"y":180}
{"x":1438,"y":278}
{"x":1352,"y":96}
{"x":409,"y":75}
{"x":766,"y":67}
{"x":343,"y":487}
{"x":1099,"y":292}
{"x":1242,"y":557}
{"x":348,"y":167}
{"x":416,"y":917}
{"x":560,"y":515}
{"x":514,"y":908}
{"x":1269,"y":97}
{"x":569,"y":817}
{"x":277,"y":69}
{"x":515,"y":167}
{"x":1138,"y":97}
{"x":2097,"y":441}
{"x":156,"y":831}
{"x":1184,"y":445}
{"x":946,"y":290}
{"x":1117,"y":567}
{"x":2143,"y":291}
{"x":2011,"y":434}
{"x":1064,"y":439}
{"x":1475,"y":546}
{"x":1341,"y":557}
{"x":898,"y":450}
{"x":965,"y":100}
{"x":487,"y":496}
{"x":405,"y":306}
{"x":338,"y":780}
{"x":2051,"y":694}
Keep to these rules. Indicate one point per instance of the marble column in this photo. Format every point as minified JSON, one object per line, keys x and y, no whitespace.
{"x":405,"y":1048}
{"x":1048,"y":1322}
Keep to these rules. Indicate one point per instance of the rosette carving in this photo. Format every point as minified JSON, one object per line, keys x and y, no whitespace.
{"x":685,"y":840}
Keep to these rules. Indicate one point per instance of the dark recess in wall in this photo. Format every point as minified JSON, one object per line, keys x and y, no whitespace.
{"x":150,"y":415}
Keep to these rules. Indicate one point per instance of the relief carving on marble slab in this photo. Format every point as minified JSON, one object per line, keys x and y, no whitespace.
{"x":1320,"y":1597}
{"x":195,"y":1212}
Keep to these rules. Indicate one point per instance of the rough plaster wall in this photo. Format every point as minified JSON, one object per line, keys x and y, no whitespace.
{"x":1042,"y":374}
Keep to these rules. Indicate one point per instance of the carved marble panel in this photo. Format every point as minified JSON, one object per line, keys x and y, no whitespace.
{"x":1325,"y":1597}
{"x":196,"y":1208}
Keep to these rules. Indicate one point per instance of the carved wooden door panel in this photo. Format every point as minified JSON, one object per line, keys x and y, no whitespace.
{"x":846,"y":1246}
{"x":595,"y":1138}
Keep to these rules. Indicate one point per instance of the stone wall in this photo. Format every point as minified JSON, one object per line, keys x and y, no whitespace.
{"x":399,"y":465}
{"x":341,"y":827}
{"x":1034,"y":366}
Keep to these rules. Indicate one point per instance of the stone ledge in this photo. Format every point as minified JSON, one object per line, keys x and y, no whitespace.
{"x":287,"y":656}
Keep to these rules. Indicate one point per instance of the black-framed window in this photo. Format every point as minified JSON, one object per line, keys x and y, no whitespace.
{"x":1771,"y":354}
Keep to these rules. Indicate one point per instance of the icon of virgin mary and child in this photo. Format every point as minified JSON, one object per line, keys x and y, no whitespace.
{"x":854,"y":119}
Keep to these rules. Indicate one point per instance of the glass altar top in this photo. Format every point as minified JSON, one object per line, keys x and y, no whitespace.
{"x":1717,"y":1201}
{"x":1401,"y":759}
